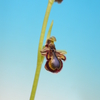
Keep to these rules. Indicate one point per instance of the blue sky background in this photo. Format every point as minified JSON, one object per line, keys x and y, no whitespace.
{"x":77,"y":30}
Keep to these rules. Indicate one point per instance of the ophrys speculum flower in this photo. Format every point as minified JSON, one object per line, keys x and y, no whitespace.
{"x":54,"y":57}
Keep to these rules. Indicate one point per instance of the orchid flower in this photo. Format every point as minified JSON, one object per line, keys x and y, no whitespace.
{"x":54,"y":58}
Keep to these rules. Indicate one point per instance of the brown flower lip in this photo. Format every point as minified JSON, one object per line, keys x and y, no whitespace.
{"x":59,"y":1}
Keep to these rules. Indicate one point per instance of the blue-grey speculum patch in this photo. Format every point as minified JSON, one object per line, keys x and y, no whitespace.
{"x":54,"y":61}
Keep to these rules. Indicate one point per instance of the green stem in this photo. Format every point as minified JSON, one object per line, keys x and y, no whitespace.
{"x":48,"y":36}
{"x":39,"y":63}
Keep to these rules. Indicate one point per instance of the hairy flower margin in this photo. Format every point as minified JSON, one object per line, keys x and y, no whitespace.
{"x":40,"y":58}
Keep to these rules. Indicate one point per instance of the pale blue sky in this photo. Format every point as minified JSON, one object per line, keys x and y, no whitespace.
{"x":77,"y":30}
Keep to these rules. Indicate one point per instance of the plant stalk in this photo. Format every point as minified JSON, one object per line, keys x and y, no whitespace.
{"x":39,"y":63}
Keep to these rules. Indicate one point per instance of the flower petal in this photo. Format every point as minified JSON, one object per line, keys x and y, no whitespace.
{"x":44,"y":51}
{"x":60,"y":55}
{"x":61,"y":51}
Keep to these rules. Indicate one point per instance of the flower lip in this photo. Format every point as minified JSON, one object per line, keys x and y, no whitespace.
{"x":59,"y":1}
